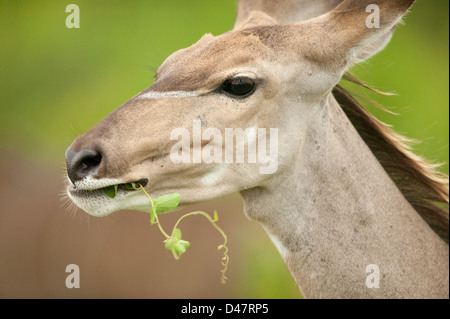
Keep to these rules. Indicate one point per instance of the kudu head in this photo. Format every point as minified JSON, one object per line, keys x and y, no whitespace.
{"x":273,"y":70}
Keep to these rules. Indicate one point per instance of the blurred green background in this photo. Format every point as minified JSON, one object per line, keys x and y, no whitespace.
{"x":56,"y":83}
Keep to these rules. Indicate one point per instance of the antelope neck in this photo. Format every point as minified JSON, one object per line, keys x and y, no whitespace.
{"x":336,"y":211}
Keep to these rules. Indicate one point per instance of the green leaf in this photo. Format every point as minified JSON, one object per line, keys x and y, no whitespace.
{"x":111,"y":191}
{"x":130,"y":186}
{"x":176,"y":244}
{"x":168,"y":243}
{"x":167,"y":203}
{"x":181,"y":246}
{"x":176,"y":235}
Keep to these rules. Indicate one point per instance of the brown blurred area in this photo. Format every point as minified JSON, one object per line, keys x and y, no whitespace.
{"x":122,"y":256}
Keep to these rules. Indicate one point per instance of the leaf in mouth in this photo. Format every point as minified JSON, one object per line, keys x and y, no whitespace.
{"x":131,"y":186}
{"x":111,"y":191}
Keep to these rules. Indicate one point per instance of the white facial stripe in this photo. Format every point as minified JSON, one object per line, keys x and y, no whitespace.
{"x":170,"y":94}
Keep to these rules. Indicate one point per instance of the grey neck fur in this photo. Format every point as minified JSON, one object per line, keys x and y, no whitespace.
{"x":336,"y":211}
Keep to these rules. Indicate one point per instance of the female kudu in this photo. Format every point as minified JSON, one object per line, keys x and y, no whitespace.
{"x":346,"y":193}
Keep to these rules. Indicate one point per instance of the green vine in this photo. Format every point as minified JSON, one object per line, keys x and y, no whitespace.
{"x":173,"y":242}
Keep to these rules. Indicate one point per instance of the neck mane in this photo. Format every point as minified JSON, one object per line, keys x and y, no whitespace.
{"x":418,"y":180}
{"x":355,"y":196}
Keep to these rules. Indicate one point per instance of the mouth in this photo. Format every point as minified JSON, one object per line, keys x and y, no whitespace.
{"x":104,"y":196}
{"x":111,"y":189}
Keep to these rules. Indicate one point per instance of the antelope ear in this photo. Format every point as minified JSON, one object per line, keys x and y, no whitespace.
{"x":254,"y":19}
{"x":357,"y":29}
{"x":372,"y":47}
{"x":268,"y":12}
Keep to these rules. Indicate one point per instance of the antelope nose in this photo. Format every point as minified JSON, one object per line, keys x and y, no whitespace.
{"x":82,"y":163}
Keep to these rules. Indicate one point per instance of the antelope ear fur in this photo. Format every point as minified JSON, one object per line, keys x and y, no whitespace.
{"x":367,"y":50}
{"x":255,"y":19}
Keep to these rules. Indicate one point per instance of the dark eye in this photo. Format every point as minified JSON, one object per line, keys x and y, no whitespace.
{"x":239,"y":87}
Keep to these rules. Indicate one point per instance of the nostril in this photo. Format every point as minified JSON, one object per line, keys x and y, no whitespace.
{"x":90,"y":162}
{"x":82,"y":163}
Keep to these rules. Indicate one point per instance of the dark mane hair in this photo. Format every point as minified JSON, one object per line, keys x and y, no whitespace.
{"x":423,"y":186}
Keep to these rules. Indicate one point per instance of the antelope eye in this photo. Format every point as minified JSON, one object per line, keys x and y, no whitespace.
{"x":240,"y":87}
